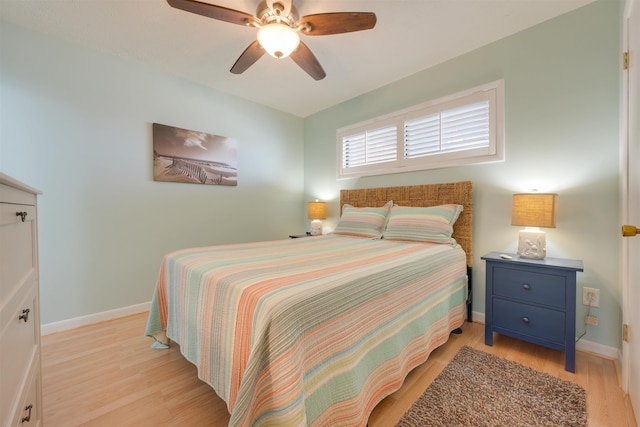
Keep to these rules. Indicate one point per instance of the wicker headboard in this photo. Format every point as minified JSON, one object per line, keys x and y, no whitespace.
{"x":423,"y":196}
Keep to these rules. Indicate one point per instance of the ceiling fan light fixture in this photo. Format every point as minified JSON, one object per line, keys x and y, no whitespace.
{"x":279,"y":40}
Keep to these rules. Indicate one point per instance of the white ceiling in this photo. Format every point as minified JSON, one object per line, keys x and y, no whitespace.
{"x":410,"y":35}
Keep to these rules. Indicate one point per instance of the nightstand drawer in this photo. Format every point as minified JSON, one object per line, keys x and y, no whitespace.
{"x":538,"y":322}
{"x":529,"y":286}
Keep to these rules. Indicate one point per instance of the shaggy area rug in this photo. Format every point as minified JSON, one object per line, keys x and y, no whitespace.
{"x":479,"y":389}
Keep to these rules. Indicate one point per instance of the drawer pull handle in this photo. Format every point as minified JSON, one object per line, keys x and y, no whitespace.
{"x":25,"y":315}
{"x":525,"y":319}
{"x":22,"y":215}
{"x":28,"y":417}
{"x":526,"y":286}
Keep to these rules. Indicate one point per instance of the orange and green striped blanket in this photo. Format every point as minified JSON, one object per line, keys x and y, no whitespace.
{"x":312,"y":331}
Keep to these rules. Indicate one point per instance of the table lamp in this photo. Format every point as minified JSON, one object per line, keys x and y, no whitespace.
{"x":315,"y":212}
{"x":533,"y":210}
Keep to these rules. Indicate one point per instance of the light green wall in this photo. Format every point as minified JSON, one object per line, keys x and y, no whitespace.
{"x":76,"y":124}
{"x":562,"y":85}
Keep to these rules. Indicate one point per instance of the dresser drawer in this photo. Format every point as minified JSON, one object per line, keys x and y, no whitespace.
{"x":20,"y":346}
{"x":28,"y":413}
{"x":530,"y":286}
{"x":11,"y":194}
{"x":18,"y":256}
{"x":538,"y":322}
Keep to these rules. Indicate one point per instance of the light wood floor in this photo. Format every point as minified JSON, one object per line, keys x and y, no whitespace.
{"x":107,"y":375}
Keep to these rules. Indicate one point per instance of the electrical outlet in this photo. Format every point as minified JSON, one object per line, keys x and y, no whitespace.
{"x":591,"y":296}
{"x":591,"y":320}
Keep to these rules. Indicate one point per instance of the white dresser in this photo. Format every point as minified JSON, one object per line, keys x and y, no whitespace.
{"x":20,"y":379}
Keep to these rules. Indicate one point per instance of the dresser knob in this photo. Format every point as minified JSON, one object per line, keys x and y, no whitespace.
{"x":22,"y":215}
{"x":526,"y":287}
{"x":28,"y":417}
{"x":25,"y":315}
{"x":525,"y":319}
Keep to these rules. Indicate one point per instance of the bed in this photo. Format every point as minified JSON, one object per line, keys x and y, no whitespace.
{"x":316,"y":331}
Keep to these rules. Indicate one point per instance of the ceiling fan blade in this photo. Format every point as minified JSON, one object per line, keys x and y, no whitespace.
{"x":213,"y":11}
{"x":250,"y":55}
{"x":308,"y":62}
{"x":338,"y":22}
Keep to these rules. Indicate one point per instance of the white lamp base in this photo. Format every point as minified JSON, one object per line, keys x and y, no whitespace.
{"x":532,"y":244}
{"x":316,"y":227}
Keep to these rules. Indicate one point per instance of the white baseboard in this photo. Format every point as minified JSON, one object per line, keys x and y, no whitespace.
{"x":76,"y":322}
{"x":477,"y":317}
{"x":599,"y":349}
{"x":582,"y":345}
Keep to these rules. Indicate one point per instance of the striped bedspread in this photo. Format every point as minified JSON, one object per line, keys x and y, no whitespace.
{"x":312,"y":331}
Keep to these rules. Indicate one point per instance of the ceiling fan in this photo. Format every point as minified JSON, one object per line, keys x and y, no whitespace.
{"x":279,"y":30}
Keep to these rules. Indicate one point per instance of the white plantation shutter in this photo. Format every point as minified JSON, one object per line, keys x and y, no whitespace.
{"x":381,"y":145}
{"x":370,"y":147}
{"x":457,"y":129}
{"x":354,"y":149}
{"x":464,"y":128}
{"x":422,"y":136}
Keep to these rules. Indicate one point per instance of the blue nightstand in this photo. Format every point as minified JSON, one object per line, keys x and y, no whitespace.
{"x":533,"y":300}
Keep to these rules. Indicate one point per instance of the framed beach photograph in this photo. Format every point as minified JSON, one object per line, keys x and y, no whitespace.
{"x":182,"y":155}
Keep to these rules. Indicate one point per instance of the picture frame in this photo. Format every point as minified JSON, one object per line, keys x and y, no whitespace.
{"x":188,"y":156}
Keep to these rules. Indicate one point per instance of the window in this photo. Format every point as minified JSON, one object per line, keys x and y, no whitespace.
{"x":464,"y":128}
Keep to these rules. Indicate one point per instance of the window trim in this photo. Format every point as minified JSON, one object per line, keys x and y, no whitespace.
{"x":493,"y":92}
